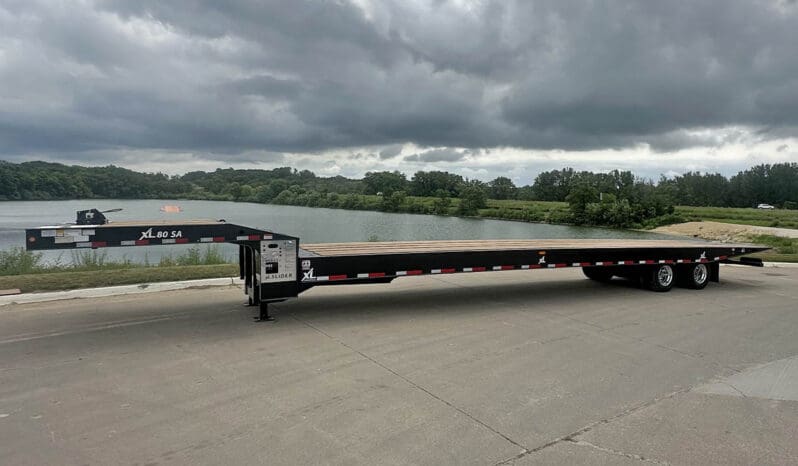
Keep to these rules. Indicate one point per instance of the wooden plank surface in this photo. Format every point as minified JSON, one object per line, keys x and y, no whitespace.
{"x":137,"y":223}
{"x":405,"y":247}
{"x":162,"y":223}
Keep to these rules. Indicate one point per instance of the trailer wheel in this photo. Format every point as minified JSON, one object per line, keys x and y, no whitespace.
{"x":600,"y":274}
{"x":695,"y":276}
{"x":661,"y":278}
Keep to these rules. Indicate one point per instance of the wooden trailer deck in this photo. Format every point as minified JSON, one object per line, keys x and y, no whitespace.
{"x":420,"y":247}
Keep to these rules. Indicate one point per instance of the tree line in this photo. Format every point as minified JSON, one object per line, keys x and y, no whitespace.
{"x":616,"y":198}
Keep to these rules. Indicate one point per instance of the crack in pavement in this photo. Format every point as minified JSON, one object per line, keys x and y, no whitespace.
{"x":525,"y":451}
{"x":632,"y":456}
{"x":572,"y":436}
{"x":734,"y":388}
{"x":415,"y":385}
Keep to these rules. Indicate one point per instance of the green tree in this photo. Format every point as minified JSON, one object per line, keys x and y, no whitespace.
{"x":393,"y":202}
{"x":384,"y":182}
{"x":472,"y":198}
{"x":578,"y":200}
{"x":429,"y":183}
{"x":554,"y":185}
{"x":502,"y":188}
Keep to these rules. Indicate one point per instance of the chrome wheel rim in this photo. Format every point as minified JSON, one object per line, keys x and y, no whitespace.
{"x":665,"y":275}
{"x":700,"y":274}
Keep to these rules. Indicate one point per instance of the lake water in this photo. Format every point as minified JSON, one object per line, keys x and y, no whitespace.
{"x":311,"y":225}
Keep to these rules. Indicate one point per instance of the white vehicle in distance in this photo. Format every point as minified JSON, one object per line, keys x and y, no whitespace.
{"x":765,"y":206}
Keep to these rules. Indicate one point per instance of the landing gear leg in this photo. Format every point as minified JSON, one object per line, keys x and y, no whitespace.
{"x":264,"y":313}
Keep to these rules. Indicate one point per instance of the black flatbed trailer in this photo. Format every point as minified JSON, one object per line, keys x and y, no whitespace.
{"x":276,"y":267}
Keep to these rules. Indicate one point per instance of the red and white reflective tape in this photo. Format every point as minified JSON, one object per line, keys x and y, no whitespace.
{"x":325,"y":278}
{"x":91,"y":244}
{"x":502,"y":267}
{"x":402,"y":273}
{"x":212,"y":239}
{"x":138,"y":242}
{"x":249,"y":237}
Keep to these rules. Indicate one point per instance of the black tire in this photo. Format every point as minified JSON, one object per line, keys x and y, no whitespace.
{"x":661,"y":278}
{"x":600,"y":274}
{"x":694,"y":276}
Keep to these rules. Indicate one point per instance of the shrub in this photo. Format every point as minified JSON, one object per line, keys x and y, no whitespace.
{"x":472,"y":198}
{"x":18,"y":261}
{"x":441,"y":205}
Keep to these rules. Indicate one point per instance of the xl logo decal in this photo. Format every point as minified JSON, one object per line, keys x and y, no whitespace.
{"x":542,"y":260}
{"x":308,"y":276}
{"x":148,"y":234}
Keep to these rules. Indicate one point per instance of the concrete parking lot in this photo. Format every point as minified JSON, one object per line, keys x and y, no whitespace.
{"x":526,"y":367}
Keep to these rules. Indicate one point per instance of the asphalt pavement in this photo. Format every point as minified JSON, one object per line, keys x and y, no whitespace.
{"x":521,"y":367}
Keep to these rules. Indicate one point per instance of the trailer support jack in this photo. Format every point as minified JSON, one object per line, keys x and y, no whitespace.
{"x":264,"y":313}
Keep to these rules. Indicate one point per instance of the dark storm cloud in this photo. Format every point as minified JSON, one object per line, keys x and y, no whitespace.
{"x":390,"y":152}
{"x":438,"y":155}
{"x":238,"y":78}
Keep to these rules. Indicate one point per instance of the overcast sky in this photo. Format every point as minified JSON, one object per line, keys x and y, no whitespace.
{"x":481,"y":88}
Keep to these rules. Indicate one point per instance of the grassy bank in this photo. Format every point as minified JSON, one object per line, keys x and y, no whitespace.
{"x":24,"y":270}
{"x":757,"y":217}
{"x":71,"y":280}
{"x":784,"y":249}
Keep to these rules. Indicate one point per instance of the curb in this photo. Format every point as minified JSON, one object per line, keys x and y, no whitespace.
{"x":778,"y":265}
{"x":786,"y":265}
{"x":26,"y":298}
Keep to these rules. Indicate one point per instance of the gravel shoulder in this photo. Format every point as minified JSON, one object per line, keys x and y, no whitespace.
{"x":726,"y":232}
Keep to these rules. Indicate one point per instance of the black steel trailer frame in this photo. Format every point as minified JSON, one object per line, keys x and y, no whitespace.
{"x":275,"y":267}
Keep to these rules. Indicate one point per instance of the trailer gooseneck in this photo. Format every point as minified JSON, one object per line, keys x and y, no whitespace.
{"x":275,"y":267}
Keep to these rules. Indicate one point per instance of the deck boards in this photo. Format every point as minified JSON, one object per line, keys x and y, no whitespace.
{"x":163,"y":223}
{"x":406,"y":247}
{"x":136,"y":223}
